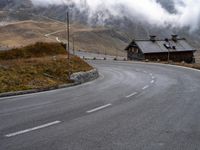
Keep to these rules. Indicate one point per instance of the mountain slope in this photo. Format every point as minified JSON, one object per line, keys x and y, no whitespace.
{"x":15,"y":4}
{"x":128,"y":28}
{"x":99,"y":40}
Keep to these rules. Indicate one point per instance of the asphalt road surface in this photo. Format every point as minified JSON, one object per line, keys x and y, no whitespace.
{"x":131,"y":106}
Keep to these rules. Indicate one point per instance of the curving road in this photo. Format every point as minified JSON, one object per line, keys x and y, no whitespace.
{"x":131,"y":106}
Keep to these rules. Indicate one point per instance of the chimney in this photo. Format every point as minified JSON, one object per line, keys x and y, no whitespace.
{"x":174,"y":37}
{"x":153,"y":38}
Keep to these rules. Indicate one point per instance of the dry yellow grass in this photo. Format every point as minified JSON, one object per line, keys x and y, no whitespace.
{"x":195,"y":65}
{"x":38,"y":72}
{"x":38,"y":49}
{"x":86,"y":38}
{"x":96,"y":40}
{"x":26,"y":32}
{"x":192,"y":65}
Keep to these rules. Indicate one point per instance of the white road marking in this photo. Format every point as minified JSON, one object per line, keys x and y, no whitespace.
{"x":32,"y":129}
{"x":98,"y":108}
{"x":145,"y":87}
{"x":133,"y":94}
{"x":151,"y":74}
{"x":144,"y":71}
{"x":152,"y":81}
{"x":153,"y":77}
{"x":101,"y":75}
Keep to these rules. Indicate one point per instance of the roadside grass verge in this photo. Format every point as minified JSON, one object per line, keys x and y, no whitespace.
{"x":193,"y":65}
{"x":37,"y":66}
{"x":183,"y":64}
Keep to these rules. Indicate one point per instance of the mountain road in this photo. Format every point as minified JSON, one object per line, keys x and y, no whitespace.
{"x":130,"y":106}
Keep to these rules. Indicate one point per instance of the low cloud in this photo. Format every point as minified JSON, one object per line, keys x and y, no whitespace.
{"x":186,"y":14}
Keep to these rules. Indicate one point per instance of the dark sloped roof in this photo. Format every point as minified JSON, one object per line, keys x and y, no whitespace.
{"x":158,"y":46}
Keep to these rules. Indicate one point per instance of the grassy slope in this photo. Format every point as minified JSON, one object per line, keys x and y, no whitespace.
{"x":86,"y":38}
{"x":98,"y":40}
{"x":37,"y":69}
{"x":26,"y":32}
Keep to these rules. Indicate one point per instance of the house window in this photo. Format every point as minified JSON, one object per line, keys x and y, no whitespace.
{"x":130,"y":49}
{"x":136,"y":50}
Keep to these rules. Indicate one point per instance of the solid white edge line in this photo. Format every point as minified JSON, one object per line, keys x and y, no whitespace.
{"x":145,"y":87}
{"x":133,"y":94}
{"x":32,"y":129}
{"x":102,"y":76}
{"x":98,"y":108}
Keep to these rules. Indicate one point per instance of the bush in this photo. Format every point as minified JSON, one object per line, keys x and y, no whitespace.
{"x":38,"y":49}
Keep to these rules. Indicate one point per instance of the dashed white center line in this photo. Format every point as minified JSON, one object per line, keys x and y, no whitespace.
{"x":152,"y":81}
{"x":153,"y":77}
{"x":147,"y":86}
{"x":144,"y":71}
{"x":32,"y":129}
{"x":133,"y":94}
{"x":98,"y":108}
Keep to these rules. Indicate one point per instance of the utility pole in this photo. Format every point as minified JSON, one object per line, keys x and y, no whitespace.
{"x":169,"y":52}
{"x":116,"y":53}
{"x":105,"y":53}
{"x":67,"y":42}
{"x":68,"y":48}
{"x":67,"y":38}
{"x":168,"y":46}
{"x":73,"y":45}
{"x":168,"y":56}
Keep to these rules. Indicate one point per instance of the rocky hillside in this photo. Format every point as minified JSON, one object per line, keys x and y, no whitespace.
{"x":15,"y":4}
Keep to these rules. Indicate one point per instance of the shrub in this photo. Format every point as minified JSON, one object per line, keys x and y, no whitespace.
{"x":38,"y":49}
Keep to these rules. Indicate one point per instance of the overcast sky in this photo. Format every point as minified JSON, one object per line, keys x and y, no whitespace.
{"x":187,"y":11}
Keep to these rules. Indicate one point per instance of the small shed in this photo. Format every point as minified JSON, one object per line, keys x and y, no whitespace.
{"x":153,"y":49}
